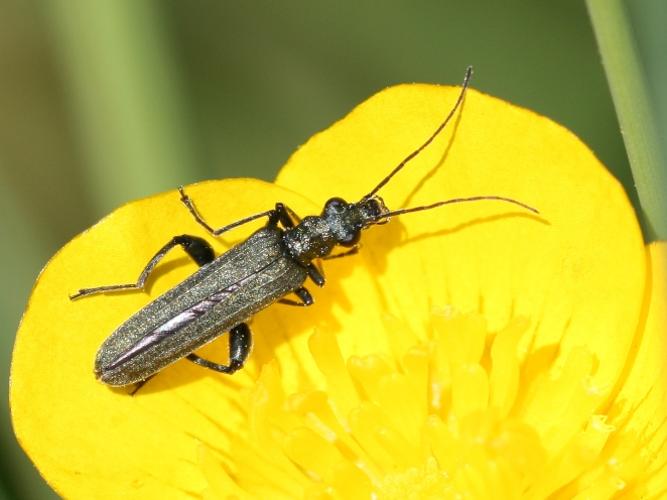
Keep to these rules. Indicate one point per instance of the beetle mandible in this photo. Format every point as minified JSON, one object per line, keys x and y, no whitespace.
{"x":227,"y":290}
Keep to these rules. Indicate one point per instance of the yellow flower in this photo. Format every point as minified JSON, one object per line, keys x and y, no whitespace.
{"x":474,"y":351}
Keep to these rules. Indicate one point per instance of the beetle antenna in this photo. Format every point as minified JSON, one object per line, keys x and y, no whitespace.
{"x":399,"y":167}
{"x":458,"y":200}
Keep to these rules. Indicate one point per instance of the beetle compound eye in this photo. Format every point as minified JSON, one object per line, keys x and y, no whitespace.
{"x":376,"y":207}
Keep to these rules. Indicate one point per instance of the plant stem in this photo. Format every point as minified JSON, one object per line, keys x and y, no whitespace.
{"x":635,"y":114}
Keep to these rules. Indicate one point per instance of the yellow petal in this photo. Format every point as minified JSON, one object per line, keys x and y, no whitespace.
{"x":639,"y":411}
{"x":577,"y":272}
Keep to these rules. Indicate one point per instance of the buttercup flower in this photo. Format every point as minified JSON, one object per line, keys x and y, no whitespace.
{"x":474,"y":351}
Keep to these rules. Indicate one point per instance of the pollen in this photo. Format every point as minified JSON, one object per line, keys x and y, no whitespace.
{"x":463,"y":414}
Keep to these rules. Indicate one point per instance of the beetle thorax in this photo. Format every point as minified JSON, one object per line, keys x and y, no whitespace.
{"x":310,"y":239}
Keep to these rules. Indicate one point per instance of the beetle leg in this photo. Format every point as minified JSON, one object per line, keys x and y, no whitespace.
{"x":187,"y":201}
{"x":139,"y":385}
{"x":286,"y":216}
{"x":315,"y":274}
{"x":303,"y":294}
{"x":240,"y":341}
{"x":351,"y":251}
{"x":198,"y":249}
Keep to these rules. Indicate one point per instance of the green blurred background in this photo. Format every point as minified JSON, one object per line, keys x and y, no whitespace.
{"x":102,"y":102}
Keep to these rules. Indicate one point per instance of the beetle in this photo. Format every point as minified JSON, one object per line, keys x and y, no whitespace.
{"x":272,"y":263}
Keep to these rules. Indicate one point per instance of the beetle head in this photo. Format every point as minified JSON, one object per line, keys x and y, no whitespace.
{"x":346,"y":220}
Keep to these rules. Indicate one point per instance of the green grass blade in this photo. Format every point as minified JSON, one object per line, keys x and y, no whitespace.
{"x":635,"y":111}
{"x":124,"y":91}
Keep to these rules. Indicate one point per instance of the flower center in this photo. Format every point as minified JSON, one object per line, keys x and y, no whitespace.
{"x":460,"y":415}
